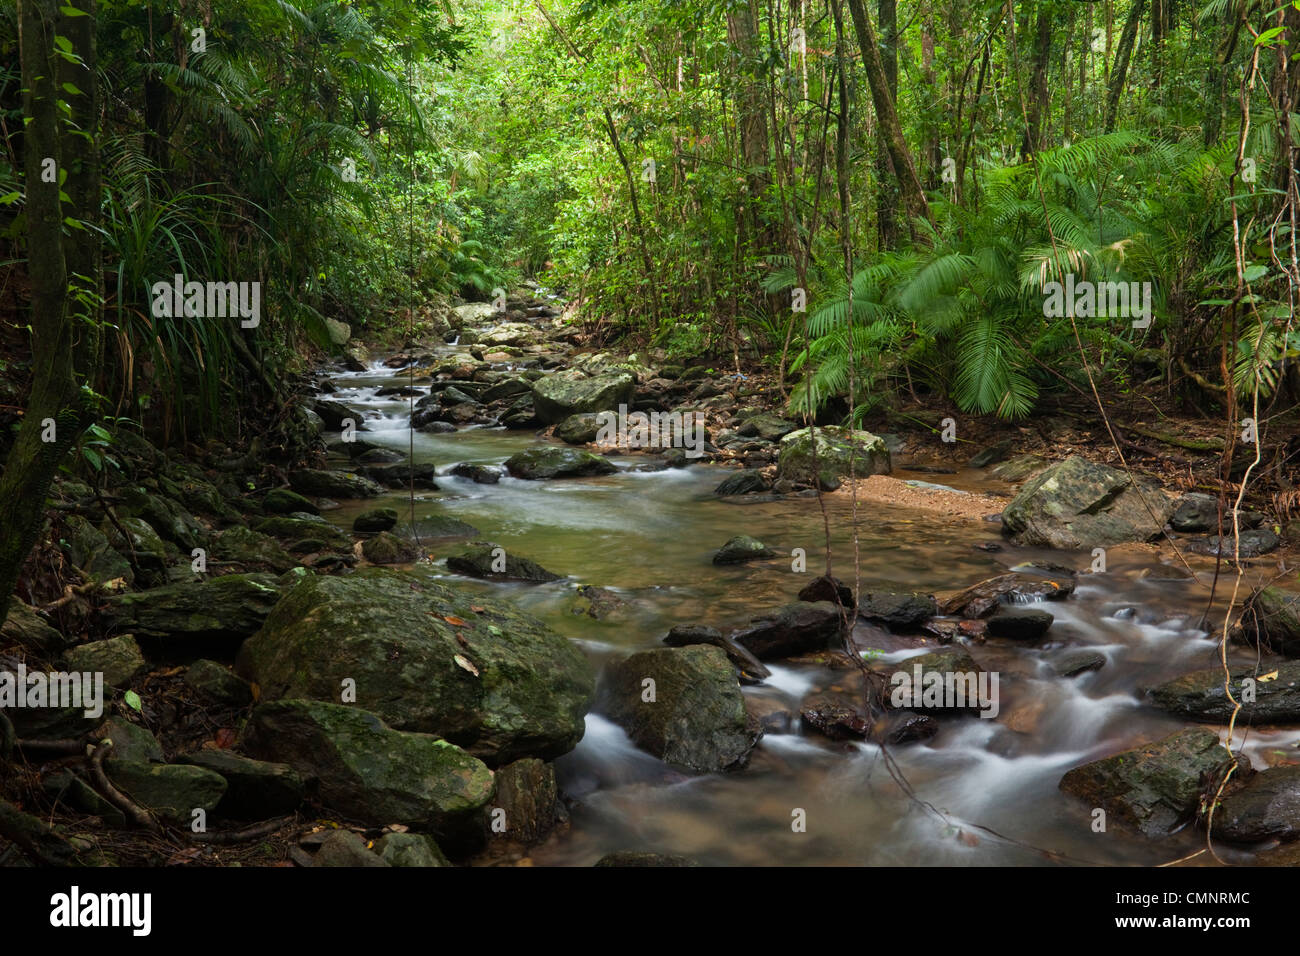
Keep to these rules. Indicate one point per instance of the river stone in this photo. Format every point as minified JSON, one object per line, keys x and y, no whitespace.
{"x":369,"y":771}
{"x":482,"y":561}
{"x":404,"y":476}
{"x":740,"y":549}
{"x":296,"y":530}
{"x":1270,"y":620}
{"x":172,"y":791}
{"x":385,"y":548}
{"x":953,"y":661}
{"x":1074,"y":663}
{"x":333,"y":484}
{"x":434,"y":526}
{"x":792,"y":629}
{"x":131,"y":742}
{"x":426,"y":657}
{"x":506,"y":388}
{"x":1251,"y":544}
{"x":553,"y":461}
{"x":377,"y":519}
{"x":1015,"y":587}
{"x":742,"y":483}
{"x":992,"y":454}
{"x":29,"y":630}
{"x":1079,"y":504}
{"x":1018,"y":469}
{"x":149,"y":550}
{"x":1154,"y":787}
{"x":343,"y":848}
{"x":558,"y":396}
{"x":836,"y":447}
{"x":251,"y":550}
{"x":256,"y":789}
{"x":409,"y":849}
{"x":530,"y":798}
{"x":580,"y":429}
{"x":172,"y":522}
{"x":1196,"y":512}
{"x":637,"y":858}
{"x":117,"y":658}
{"x":217,"y":684}
{"x":479,"y":474}
{"x":228,"y":609}
{"x":282,"y":501}
{"x":827,"y":588}
{"x":697,"y":718}
{"x":1199,"y":695}
{"x":334,"y":414}
{"x":767,"y":427}
{"x":750,"y":667}
{"x":1020,"y":625}
{"x":1266,"y":808}
{"x":896,"y":610}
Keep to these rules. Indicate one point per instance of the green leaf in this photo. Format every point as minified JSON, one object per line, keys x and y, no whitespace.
{"x":132,"y":700}
{"x":69,"y":11}
{"x":72,"y":88}
{"x":1254,"y":272}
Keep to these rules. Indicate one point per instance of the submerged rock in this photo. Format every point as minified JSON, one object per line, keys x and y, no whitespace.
{"x":980,"y":600}
{"x":426,"y":657}
{"x":742,"y":483}
{"x":740,"y":549}
{"x":1079,"y":504}
{"x":1152,"y":788}
{"x":692,"y":714}
{"x":487,"y":560}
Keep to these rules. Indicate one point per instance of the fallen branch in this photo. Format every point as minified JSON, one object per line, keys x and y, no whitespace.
{"x":244,"y":835}
{"x":1210,"y":445}
{"x":34,"y":838}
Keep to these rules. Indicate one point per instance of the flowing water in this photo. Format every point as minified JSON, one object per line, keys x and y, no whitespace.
{"x":650,"y":536}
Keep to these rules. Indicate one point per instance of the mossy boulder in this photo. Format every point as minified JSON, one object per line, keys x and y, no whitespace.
{"x":426,"y":658}
{"x":227,"y":609}
{"x":333,"y":484}
{"x":172,"y":791}
{"x":1200,"y":695}
{"x":486,"y":560}
{"x":558,"y":396}
{"x":836,"y":448}
{"x":555,"y":461}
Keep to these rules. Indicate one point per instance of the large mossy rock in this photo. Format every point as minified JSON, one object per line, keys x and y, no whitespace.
{"x":486,"y":560}
{"x":426,"y":658}
{"x":697,"y":717}
{"x":556,"y":461}
{"x":835,"y":449}
{"x":171,"y":791}
{"x":1151,"y":788}
{"x":1079,"y":504}
{"x":558,"y":396}
{"x":1200,"y":695}
{"x":87,"y":548}
{"x":363,"y":768}
{"x":333,"y":484}
{"x":1270,"y":620}
{"x":229,"y":609}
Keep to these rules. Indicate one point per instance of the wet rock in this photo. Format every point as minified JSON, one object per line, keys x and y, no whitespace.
{"x":745,"y":482}
{"x":640,"y":859}
{"x":377,"y":519}
{"x":1250,"y":544}
{"x":226,"y":609}
{"x":333,"y":484}
{"x":409,"y":849}
{"x":346,"y":849}
{"x":117,"y":658}
{"x":251,"y":550}
{"x":598,"y":603}
{"x":172,"y":791}
{"x":956,"y":669}
{"x":146,"y":547}
{"x":428,"y":658}
{"x":506,"y":388}
{"x":835,"y":448}
{"x":361,"y":767}
{"x":433,"y":527}
{"x":131,"y":742}
{"x":1152,"y":788}
{"x":558,"y":396}
{"x":385,"y":548}
{"x":898,"y":610}
{"x":992,"y":454}
{"x":335,"y":414}
{"x":1079,"y":504}
{"x":1020,"y":625}
{"x":980,"y":600}
{"x":839,"y":716}
{"x":684,"y":635}
{"x":1270,"y":620}
{"x":479,"y":474}
{"x":282,"y":501}
{"x":294,"y":530}
{"x":827,"y":588}
{"x":1266,"y":808}
{"x":1200,"y":695}
{"x":255,"y":789}
{"x":553,"y":461}
{"x":905,"y":727}
{"x":1196,"y":512}
{"x":403,"y":476}
{"x":740,"y":549}
{"x":172,"y":522}
{"x":578,"y":429}
{"x":217,"y":684}
{"x":88,"y":550}
{"x":27,"y":629}
{"x":495,"y":563}
{"x":792,"y":629}
{"x":766,"y":427}
{"x":1018,"y":469}
{"x":772,"y":715}
{"x":697,"y":716}
{"x":1074,"y":663}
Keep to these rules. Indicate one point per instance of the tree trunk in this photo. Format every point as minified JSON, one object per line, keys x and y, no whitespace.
{"x":912,"y":196}
{"x":886,"y":174}
{"x":54,"y":401}
{"x":742,"y":30}
{"x":1033,"y":139}
{"x":1120,"y":73}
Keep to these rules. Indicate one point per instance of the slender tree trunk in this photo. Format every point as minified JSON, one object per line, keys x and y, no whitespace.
{"x":1120,"y":74}
{"x":55,"y":414}
{"x":1033,"y":140}
{"x":886,"y":174}
{"x":742,"y":30}
{"x":912,"y":196}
